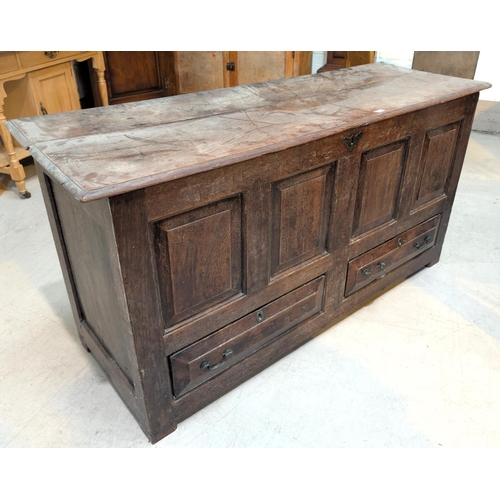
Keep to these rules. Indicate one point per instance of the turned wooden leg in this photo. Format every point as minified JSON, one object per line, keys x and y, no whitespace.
{"x":15,"y":169}
{"x":98,"y":65}
{"x":102,"y":88}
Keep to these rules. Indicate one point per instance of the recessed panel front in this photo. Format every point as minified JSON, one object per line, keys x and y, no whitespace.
{"x":379,"y":185}
{"x":301,"y":214}
{"x":435,"y":166}
{"x":199,"y":259}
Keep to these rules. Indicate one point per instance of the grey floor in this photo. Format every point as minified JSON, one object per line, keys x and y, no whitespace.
{"x":417,"y":367}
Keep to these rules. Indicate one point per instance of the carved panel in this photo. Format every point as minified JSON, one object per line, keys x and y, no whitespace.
{"x":301,"y":215}
{"x":437,"y":157}
{"x":199,"y":259}
{"x":379,"y":185}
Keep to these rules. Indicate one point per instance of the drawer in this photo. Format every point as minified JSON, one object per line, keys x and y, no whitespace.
{"x":206,"y":358}
{"x":8,"y":62}
{"x":376,"y":263}
{"x":35,"y":58}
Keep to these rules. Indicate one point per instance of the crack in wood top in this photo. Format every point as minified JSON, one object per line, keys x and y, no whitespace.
{"x":103,"y":152}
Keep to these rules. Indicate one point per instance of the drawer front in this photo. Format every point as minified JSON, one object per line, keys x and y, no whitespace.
{"x":378,"y":262}
{"x":29,"y":59}
{"x":208,"y":357}
{"x":8,"y":62}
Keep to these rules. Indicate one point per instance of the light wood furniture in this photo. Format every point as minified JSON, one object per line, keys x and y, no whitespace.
{"x":453,"y":63}
{"x":346,"y":59}
{"x":204,"y":236}
{"x":36,"y":83}
{"x":134,"y":76}
{"x":198,"y":71}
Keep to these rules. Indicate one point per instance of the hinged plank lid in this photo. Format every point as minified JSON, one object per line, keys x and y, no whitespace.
{"x":101,"y":152}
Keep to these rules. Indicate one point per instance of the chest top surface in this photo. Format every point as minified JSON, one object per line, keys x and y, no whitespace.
{"x":101,"y":152}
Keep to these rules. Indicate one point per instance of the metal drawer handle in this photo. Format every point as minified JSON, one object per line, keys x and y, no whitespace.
{"x":42,"y":109}
{"x":425,"y":243}
{"x":351,"y":140}
{"x":367,"y":272}
{"x":205,"y":365}
{"x":52,"y":55}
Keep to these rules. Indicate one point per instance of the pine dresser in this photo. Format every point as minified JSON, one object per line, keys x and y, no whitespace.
{"x":202,"y":237}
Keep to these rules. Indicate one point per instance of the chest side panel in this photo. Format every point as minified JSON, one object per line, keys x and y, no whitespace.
{"x":95,"y":273}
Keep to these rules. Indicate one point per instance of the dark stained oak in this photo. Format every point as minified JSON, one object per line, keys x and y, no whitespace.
{"x":198,"y":362}
{"x":301,"y":208}
{"x":379,"y":186}
{"x":135,"y":75}
{"x":436,"y":162}
{"x":381,"y":260}
{"x":102,"y":153}
{"x":199,"y":258}
{"x":203,"y":237}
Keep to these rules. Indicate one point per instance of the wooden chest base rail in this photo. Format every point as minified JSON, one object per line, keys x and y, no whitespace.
{"x":203,"y":237}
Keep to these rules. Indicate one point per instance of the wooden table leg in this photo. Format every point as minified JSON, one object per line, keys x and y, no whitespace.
{"x":15,"y":169}
{"x":98,"y":65}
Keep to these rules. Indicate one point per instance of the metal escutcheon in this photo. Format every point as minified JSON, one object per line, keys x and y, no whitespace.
{"x":259,"y":316}
{"x":52,"y":54}
{"x":351,"y":140}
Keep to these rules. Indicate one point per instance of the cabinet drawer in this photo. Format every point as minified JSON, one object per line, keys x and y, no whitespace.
{"x":206,"y":358}
{"x":29,"y":59}
{"x":379,"y":261}
{"x":8,"y":62}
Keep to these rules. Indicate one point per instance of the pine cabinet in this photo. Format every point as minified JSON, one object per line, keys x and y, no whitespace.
{"x":34,"y":83}
{"x":198,"y":71}
{"x":49,"y":90}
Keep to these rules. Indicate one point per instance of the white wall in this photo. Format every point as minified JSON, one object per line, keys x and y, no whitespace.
{"x":400,"y":58}
{"x":488,"y":70}
{"x":318,"y":60}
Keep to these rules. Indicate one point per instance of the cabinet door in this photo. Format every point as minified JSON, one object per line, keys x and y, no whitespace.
{"x":260,"y":66}
{"x":134,"y":76}
{"x":54,"y":89}
{"x":200,"y":70}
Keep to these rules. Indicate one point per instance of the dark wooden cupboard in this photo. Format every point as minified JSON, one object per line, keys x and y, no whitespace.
{"x":138,"y":75}
{"x":203,"y":237}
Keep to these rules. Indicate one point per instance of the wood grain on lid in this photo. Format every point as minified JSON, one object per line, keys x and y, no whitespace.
{"x":106,"y":151}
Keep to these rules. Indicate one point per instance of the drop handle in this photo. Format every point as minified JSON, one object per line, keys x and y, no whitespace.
{"x":42,"y":109}
{"x":368,"y":272}
{"x":206,"y":365}
{"x":419,"y":246}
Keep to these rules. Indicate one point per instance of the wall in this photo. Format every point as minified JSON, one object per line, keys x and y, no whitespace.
{"x":318,"y":60}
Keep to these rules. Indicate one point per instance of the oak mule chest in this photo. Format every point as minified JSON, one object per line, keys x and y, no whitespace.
{"x":202,"y":237}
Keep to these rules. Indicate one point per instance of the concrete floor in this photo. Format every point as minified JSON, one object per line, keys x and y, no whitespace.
{"x":417,"y":367}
